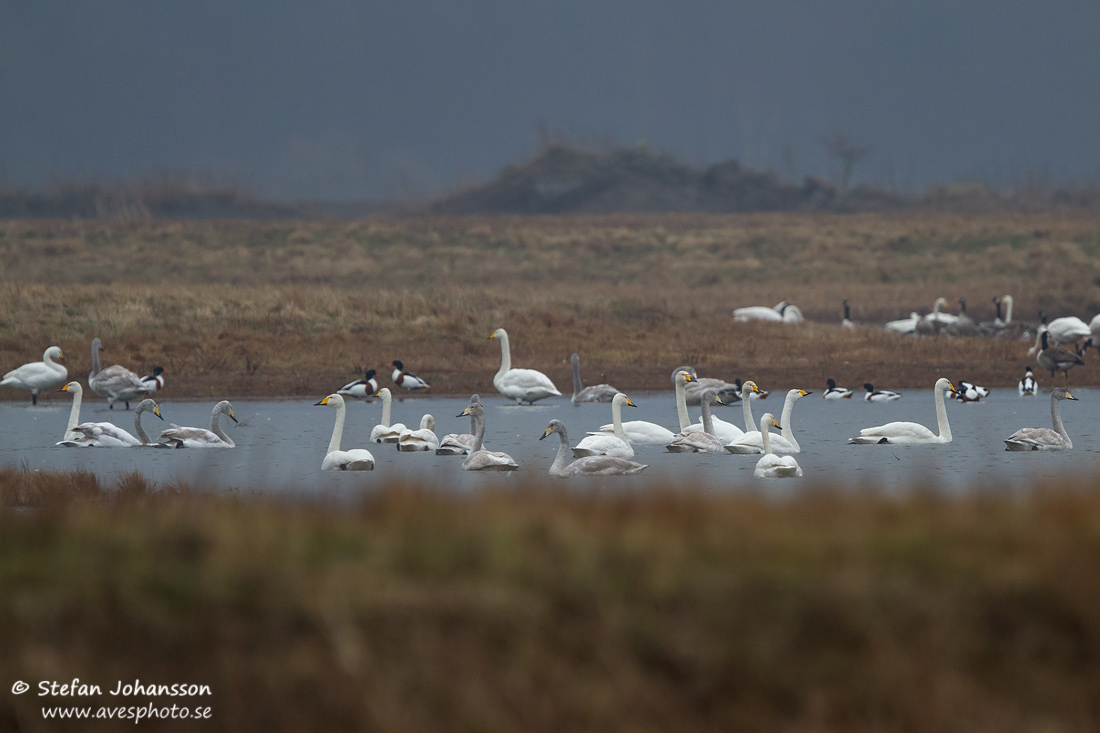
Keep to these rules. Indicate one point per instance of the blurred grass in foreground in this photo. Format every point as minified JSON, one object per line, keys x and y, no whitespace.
{"x":547,"y":609}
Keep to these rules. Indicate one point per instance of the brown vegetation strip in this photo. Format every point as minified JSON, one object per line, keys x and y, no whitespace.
{"x":235,"y":308}
{"x":542,"y":610}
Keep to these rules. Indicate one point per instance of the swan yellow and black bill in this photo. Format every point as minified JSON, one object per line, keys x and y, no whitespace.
{"x":630,"y":403}
{"x":546,"y":433}
{"x":687,"y":377}
{"x":64,"y":389}
{"x":1069,"y":396}
{"x":322,"y":402}
{"x":156,"y":411}
{"x":464,"y":413}
{"x":804,"y":392}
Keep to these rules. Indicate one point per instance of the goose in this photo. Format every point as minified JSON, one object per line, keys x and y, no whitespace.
{"x":648,"y":433}
{"x":603,"y":444}
{"x":1026,"y":439}
{"x":878,"y":395}
{"x":833,"y":392}
{"x":480,"y":459}
{"x":963,"y":325}
{"x":422,"y":439}
{"x":1055,"y":358}
{"x":753,"y":441}
{"x":521,"y":385}
{"x":770,"y":465}
{"x":405,"y":380}
{"x":383,"y":432}
{"x":970,"y":392}
{"x":911,"y":433}
{"x":1028,"y":386}
{"x":357,"y":459}
{"x":115,"y":383}
{"x":904,"y":325}
{"x":105,"y":434}
{"x":589,"y":465}
{"x":154,"y":381}
{"x":757,"y":394}
{"x":179,"y":437}
{"x":846,"y":322}
{"x":592,"y":393}
{"x":693,"y":391}
{"x":998,"y":325}
{"x":699,"y":441}
{"x":459,"y":444}
{"x":360,"y":389}
{"x":38,"y":375}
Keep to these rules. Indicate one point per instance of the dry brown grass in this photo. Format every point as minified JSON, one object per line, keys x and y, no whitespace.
{"x":539,"y":609}
{"x":292,"y":308}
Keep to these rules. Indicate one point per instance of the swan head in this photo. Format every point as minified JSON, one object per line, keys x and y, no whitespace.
{"x":689,"y":369}
{"x":938,"y":303}
{"x":575,"y":360}
{"x":943,"y":384}
{"x":555,"y":426}
{"x":620,"y":399}
{"x":769,"y":421}
{"x":1061,"y":393}
{"x":333,"y":400}
{"x":797,"y":394}
{"x":500,"y":333}
{"x":226,"y":408}
{"x":427,"y":422}
{"x":748,"y":387}
{"x":149,"y":405}
{"x":681,"y":378}
{"x":73,"y":387}
{"x":711,"y":395}
{"x":384,"y":393}
{"x":474,"y":408}
{"x":54,"y":352}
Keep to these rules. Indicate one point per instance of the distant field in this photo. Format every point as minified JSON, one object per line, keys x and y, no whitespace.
{"x":293,"y":308}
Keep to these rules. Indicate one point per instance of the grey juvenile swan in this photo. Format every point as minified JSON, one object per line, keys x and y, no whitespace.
{"x":589,"y":465}
{"x":215,"y":437}
{"x":479,"y":458}
{"x":1044,"y":438}
{"x":591,"y":393}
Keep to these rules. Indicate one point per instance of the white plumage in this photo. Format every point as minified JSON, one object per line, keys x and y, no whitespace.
{"x":357,"y":459}
{"x":771,"y":465}
{"x":911,"y":433}
{"x":753,"y":441}
{"x":383,"y":432}
{"x":37,"y":375}
{"x":521,"y":385}
{"x":604,"y":444}
{"x":215,"y":437}
{"x":418,"y":440}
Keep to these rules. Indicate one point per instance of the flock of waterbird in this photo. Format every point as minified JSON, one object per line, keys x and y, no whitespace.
{"x":607,"y":450}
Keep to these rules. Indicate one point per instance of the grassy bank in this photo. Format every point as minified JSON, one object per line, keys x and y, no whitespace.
{"x":293,"y":308}
{"x":538,"y":609}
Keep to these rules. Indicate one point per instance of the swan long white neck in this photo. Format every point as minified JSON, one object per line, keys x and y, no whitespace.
{"x":788,"y":409}
{"x":1007,"y":300}
{"x":139,"y":431}
{"x":505,"y":354}
{"x":708,"y":422}
{"x":558,"y":466}
{"x":617,"y":418}
{"x":1056,"y":419}
{"x":746,"y":409}
{"x":765,"y":438}
{"x":576,"y":376}
{"x":216,"y":428}
{"x":337,"y":429}
{"x":385,"y":408}
{"x":941,"y":417}
{"x":681,"y":405}
{"x":74,"y":413}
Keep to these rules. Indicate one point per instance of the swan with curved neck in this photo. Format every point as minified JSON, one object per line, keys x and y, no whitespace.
{"x":589,"y":465}
{"x":215,"y":437}
{"x":384,"y":432}
{"x":746,"y":404}
{"x":785,"y":443}
{"x":357,"y":459}
{"x":1044,"y":439}
{"x":911,"y":433}
{"x":104,"y":434}
{"x":480,"y":459}
{"x":37,"y":375}
{"x":643,"y":432}
{"x":115,"y":383}
{"x":603,"y":444}
{"x":521,"y":385}
{"x":770,"y":465}
{"x":694,"y":441}
{"x":459,"y":444}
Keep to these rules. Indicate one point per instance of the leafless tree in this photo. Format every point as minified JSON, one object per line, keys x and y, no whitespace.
{"x":838,"y":144}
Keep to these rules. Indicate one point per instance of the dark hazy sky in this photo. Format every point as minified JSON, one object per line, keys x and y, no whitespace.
{"x":348,"y":100}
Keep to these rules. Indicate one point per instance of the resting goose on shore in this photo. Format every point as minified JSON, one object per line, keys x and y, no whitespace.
{"x":480,"y":459}
{"x":833,"y":392}
{"x":589,"y":465}
{"x":770,"y":465}
{"x":846,"y":322}
{"x":37,"y":375}
{"x":878,"y":395}
{"x":1029,"y":439}
{"x":115,"y":383}
{"x":404,"y":380}
{"x":1055,"y":358}
{"x":592,"y":393}
{"x":360,"y":389}
{"x":911,"y":433}
{"x":1028,"y":386}
{"x":215,"y":437}
{"x":356,"y":459}
{"x":521,"y":385}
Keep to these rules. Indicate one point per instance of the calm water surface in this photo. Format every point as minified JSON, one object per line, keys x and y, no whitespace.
{"x":280,"y":444}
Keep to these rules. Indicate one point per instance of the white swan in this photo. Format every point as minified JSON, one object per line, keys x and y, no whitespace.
{"x":37,"y":375}
{"x":109,"y":435}
{"x":1028,"y":386}
{"x":696,"y":441}
{"x":357,"y":459}
{"x":459,"y":444}
{"x":753,"y":441}
{"x":833,"y":392}
{"x":911,"y":433}
{"x":115,"y":383}
{"x":71,"y":435}
{"x":479,"y":458}
{"x":360,"y":389}
{"x":592,"y":393}
{"x":383,"y":432}
{"x":1068,"y":330}
{"x":757,"y":313}
{"x":904,"y":325}
{"x":521,"y":385}
{"x":589,"y":465}
{"x":878,"y":395}
{"x":405,"y":380}
{"x":1028,"y":439}
{"x":215,"y":437}
{"x":422,"y":439}
{"x":603,"y":444}
{"x":771,"y":465}
{"x":642,"y":432}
